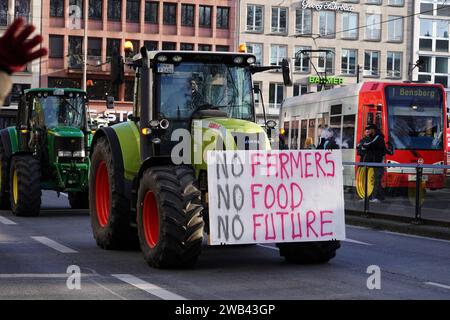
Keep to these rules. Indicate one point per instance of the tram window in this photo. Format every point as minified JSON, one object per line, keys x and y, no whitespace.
{"x":336,"y":109}
{"x":369,"y":118}
{"x":378,"y":120}
{"x":335,"y":125}
{"x":348,"y":132}
{"x":312,"y":129}
{"x":294,"y":134}
{"x":303,"y":131}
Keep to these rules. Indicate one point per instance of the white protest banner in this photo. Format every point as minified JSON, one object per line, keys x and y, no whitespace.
{"x":275,"y":196}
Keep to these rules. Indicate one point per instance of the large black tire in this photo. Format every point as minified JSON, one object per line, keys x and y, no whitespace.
{"x":79,"y":200}
{"x":25,"y":195}
{"x":309,"y":252}
{"x":169,"y":219}
{"x":5,"y":203}
{"x":108,"y":208}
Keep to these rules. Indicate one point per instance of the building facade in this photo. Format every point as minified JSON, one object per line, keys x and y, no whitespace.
{"x":431,"y":42}
{"x":207,"y":25}
{"x":361,"y":40}
{"x":30,"y":11}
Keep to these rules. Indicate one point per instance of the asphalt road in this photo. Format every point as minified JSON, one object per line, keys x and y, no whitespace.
{"x":35,"y":254}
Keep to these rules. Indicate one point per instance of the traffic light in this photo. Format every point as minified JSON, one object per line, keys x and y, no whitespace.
{"x":117,"y":70}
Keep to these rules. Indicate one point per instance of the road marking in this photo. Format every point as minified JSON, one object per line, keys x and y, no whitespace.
{"x":6,"y":221}
{"x":268,"y":247}
{"x":414,"y":236}
{"x":148,"y":287}
{"x":357,"y":242}
{"x":39,"y":275}
{"x":109,"y":290}
{"x":54,"y":245}
{"x":357,"y":227}
{"x":438,"y":285}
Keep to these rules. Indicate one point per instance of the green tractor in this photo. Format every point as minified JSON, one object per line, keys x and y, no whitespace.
{"x":46,"y":150}
{"x":140,"y":190}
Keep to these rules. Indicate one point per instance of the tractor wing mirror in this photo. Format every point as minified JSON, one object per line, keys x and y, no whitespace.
{"x":286,"y":70}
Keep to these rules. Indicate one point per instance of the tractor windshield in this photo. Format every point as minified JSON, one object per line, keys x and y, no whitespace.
{"x":59,"y":111}
{"x":188,"y":87}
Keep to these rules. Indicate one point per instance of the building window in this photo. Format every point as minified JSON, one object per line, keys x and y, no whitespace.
{"x":205,"y":16}
{"x":276,"y":95}
{"x":279,"y":19}
{"x":96,"y":9}
{"x":22,"y":10}
{"x":374,"y":1}
{"x":255,"y":18}
{"x":303,"y":22}
{"x":169,"y":46}
{"x":4,"y":13}
{"x":170,"y":13}
{"x":256,"y":89}
{"x":112,"y":47}
{"x":395,"y":28}
{"x":349,"y":25}
{"x":129,"y":90}
{"x":187,"y":15}
{"x":114,"y":10}
{"x":75,"y":51}
{"x":223,"y":16}
{"x":56,"y":8}
{"x":325,"y":61}
{"x":99,"y":90}
{"x":327,"y":24}
{"x":434,"y":35}
{"x":151,"y":12}
{"x":300,"y":89}
{"x":56,"y":46}
{"x":443,"y":10}
{"x":63,"y":83}
{"x":277,"y":54}
{"x":394,"y":64}
{"x":220,"y":48}
{"x":301,"y":60}
{"x":204,"y":47}
{"x":186,"y":46}
{"x":371,"y":63}
{"x":151,"y":45}
{"x":348,"y":61}
{"x":79,"y":4}
{"x":397,"y":3}
{"x":257,"y":50}
{"x":427,"y":8}
{"x":95,"y":47}
{"x":373,"y":27}
{"x":133,"y":10}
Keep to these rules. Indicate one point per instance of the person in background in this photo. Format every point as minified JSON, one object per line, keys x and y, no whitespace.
{"x":328,"y":140}
{"x":309,"y":143}
{"x":16,"y":50}
{"x":372,"y":148}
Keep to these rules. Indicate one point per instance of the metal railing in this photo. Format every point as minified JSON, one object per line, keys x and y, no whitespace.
{"x":418,"y":172}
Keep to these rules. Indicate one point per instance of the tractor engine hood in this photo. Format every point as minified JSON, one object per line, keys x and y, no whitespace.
{"x":235,"y":133}
{"x":66,"y":132}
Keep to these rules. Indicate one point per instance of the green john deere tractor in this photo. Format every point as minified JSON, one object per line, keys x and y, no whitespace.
{"x":139,"y":191}
{"x":47,"y":149}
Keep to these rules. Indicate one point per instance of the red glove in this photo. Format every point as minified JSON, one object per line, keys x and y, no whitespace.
{"x":15,"y":50}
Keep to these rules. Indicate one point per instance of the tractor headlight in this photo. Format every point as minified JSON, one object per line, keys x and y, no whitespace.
{"x":79,"y":154}
{"x":64,"y":154}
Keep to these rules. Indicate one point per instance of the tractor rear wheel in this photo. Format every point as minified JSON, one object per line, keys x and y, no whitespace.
{"x":79,"y":200}
{"x":25,"y":186}
{"x":5,"y":203}
{"x":170,"y":224}
{"x":309,"y":252}
{"x":109,"y":209}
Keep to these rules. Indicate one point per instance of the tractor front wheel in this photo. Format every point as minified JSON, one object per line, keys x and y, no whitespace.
{"x":25,"y":186}
{"x":79,"y":200}
{"x":170,"y":225}
{"x":309,"y":252}
{"x":108,"y":208}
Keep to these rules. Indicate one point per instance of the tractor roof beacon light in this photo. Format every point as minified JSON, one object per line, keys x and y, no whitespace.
{"x":242,"y":48}
{"x":128,"y":47}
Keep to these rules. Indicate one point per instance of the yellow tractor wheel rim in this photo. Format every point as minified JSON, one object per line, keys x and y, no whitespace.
{"x":361,"y":181}
{"x":15,"y":187}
